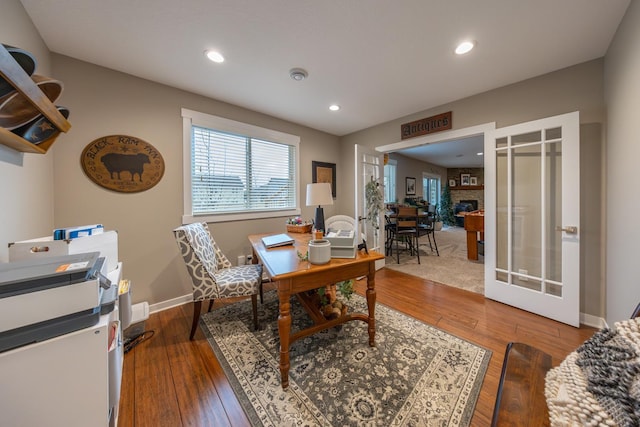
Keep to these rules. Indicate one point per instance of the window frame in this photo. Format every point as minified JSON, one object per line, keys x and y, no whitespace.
{"x":390,"y":187}
{"x":431,"y":176}
{"x":194,"y":118}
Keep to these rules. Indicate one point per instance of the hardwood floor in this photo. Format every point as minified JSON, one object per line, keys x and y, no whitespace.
{"x":171,"y":381}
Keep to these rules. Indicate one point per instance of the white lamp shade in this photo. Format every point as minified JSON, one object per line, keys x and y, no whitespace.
{"x":319,"y":194}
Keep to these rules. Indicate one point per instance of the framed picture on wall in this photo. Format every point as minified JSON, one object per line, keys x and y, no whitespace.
{"x":452,"y":183}
{"x":410,"y":186}
{"x":465,"y":178}
{"x":324,"y":172}
{"x":473,"y":180}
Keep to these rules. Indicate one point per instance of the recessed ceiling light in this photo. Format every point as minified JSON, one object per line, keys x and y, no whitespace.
{"x":465,"y":47}
{"x":334,"y":107}
{"x":480,"y":154}
{"x":214,"y":56}
{"x":298,"y":74}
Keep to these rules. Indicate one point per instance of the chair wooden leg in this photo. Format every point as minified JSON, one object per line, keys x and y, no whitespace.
{"x":210,"y":305}
{"x":197,"y":306}
{"x":417,"y":248}
{"x":261,"y":293}
{"x":254,"y":303}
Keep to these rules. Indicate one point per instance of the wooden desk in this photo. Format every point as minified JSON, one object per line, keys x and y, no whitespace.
{"x":294,"y":276}
{"x":474,"y":224}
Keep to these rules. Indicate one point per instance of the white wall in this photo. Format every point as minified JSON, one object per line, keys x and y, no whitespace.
{"x":26,"y":180}
{"x":622,"y":96}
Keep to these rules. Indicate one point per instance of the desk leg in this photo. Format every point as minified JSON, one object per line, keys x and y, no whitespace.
{"x":472,"y":244}
{"x":284,"y":329}
{"x":371,"y":304}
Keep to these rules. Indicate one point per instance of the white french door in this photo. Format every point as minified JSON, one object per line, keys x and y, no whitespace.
{"x":369,"y":167}
{"x":532,"y":217}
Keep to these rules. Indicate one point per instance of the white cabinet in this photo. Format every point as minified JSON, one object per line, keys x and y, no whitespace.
{"x":67,"y":381}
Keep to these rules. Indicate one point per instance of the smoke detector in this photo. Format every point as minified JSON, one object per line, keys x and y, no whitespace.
{"x":298,"y":74}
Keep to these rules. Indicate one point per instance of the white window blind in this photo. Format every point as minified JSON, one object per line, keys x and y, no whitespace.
{"x":237,"y":168}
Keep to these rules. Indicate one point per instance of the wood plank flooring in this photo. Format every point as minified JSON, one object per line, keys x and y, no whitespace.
{"x":171,"y":381}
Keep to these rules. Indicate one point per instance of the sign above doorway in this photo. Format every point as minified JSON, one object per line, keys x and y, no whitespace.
{"x":428,"y":125}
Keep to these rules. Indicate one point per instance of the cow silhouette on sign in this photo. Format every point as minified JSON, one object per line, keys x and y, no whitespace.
{"x":132,"y":163}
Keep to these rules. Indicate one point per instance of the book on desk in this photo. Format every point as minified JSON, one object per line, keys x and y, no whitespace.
{"x":277,"y":240}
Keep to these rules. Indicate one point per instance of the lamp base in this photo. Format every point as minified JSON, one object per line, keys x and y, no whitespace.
{"x":319,"y":220}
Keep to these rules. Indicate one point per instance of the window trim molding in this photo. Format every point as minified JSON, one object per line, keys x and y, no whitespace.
{"x":191,"y":118}
{"x":394,"y":163}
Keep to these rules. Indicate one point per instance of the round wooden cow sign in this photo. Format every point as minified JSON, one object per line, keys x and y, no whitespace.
{"x":122,"y":163}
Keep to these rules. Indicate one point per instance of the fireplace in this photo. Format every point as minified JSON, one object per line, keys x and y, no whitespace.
{"x":473,"y":203}
{"x":464,"y":206}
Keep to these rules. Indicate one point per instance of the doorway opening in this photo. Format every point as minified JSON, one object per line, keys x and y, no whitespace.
{"x":446,"y":150}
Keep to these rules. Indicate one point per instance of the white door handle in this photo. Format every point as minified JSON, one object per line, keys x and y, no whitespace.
{"x":571,"y":229}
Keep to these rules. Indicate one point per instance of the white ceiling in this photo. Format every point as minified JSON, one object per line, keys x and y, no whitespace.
{"x":378,"y":59}
{"x":460,"y":153}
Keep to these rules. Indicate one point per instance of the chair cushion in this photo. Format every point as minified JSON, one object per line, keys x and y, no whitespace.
{"x":239,"y":281}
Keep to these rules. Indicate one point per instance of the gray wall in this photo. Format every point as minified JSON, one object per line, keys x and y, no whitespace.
{"x":104,"y":102}
{"x":408,"y":167}
{"x":622,"y":96}
{"x":577,"y":88}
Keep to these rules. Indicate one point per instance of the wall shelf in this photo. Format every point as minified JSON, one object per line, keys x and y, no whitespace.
{"x":22,"y":82}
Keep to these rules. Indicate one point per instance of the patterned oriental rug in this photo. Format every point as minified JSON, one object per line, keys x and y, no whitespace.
{"x":416,"y":375}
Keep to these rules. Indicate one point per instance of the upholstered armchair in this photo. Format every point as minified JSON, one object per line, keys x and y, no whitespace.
{"x":211,"y":272}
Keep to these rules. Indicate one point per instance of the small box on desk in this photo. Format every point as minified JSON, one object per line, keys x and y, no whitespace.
{"x":343,"y":251}
{"x":343,"y":243}
{"x":106,"y":243}
{"x":341,"y":238}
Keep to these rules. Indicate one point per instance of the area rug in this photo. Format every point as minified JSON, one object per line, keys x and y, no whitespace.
{"x":416,"y":375}
{"x":450,"y":268}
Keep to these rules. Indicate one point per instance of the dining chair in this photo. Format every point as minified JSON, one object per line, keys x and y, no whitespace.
{"x":427,"y":227}
{"x":405,"y":229}
{"x":212,"y":274}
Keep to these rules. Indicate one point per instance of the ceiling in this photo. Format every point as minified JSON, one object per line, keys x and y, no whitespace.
{"x":459,"y":153}
{"x":379,"y":60}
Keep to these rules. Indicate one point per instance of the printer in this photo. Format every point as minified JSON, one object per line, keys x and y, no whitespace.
{"x":44,"y":298}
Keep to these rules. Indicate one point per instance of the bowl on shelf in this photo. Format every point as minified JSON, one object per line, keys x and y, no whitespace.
{"x":24,"y":59}
{"x":40,"y":129}
{"x":17,"y":111}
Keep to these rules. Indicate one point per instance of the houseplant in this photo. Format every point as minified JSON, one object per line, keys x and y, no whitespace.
{"x":437,"y":225}
{"x":446,"y":207}
{"x":374,"y":200}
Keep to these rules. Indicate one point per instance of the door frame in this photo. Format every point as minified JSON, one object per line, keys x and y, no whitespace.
{"x":485,"y":129}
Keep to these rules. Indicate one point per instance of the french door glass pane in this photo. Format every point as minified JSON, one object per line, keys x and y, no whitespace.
{"x":526,"y":220}
{"x":501,"y":210}
{"x":553,"y":214}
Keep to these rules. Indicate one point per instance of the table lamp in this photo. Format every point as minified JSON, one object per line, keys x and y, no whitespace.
{"x":319,"y":194}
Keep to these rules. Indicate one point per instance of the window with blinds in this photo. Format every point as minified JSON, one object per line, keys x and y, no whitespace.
{"x":232,"y":171}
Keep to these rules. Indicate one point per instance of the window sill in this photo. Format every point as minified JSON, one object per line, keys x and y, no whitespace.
{"x":240,"y":216}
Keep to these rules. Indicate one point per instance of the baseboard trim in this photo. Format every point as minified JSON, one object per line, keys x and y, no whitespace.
{"x":174,"y":302}
{"x":585,"y":319}
{"x":593,"y":321}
